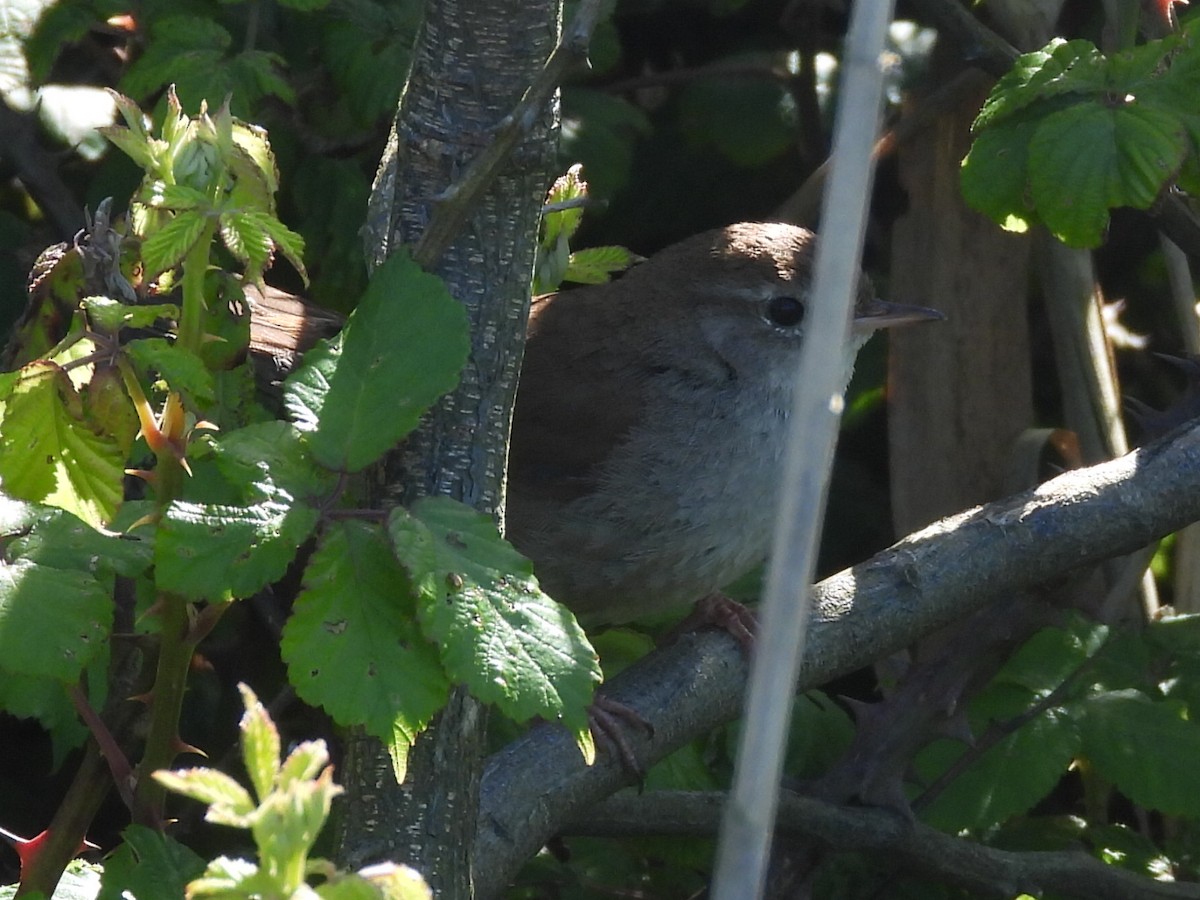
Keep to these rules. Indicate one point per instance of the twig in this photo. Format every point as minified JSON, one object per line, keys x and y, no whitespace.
{"x":980,"y":45}
{"x":963,"y":862}
{"x":21,"y":148}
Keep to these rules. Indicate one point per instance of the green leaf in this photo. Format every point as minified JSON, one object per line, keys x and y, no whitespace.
{"x":1012,"y":775}
{"x":166,"y":247}
{"x":177,"y":45}
{"x":49,"y":453}
{"x":182,"y":370}
{"x":109,"y":315}
{"x":286,"y":241}
{"x":246,"y":240}
{"x":267,"y":458}
{"x":568,"y":186}
{"x":228,"y":802}
{"x":1139,"y":744}
{"x":43,"y":699}
{"x":386,"y":880}
{"x":233,"y":879}
{"x":52,"y":621}
{"x":1061,"y":67}
{"x":59,"y":540}
{"x":352,"y":645}
{"x":995,"y":175}
{"x":146,"y":865}
{"x":175,"y":197}
{"x":400,"y":350}
{"x":1045,"y":660}
{"x":304,"y":762}
{"x":216,"y":551}
{"x":1090,"y":157}
{"x":368,"y":63}
{"x":499,"y":634}
{"x":260,"y":743}
{"x":596,"y":265}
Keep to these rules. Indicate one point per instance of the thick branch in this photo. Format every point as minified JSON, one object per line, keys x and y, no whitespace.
{"x":922,"y":583}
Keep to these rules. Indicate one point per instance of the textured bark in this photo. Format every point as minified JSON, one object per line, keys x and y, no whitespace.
{"x":472,"y":63}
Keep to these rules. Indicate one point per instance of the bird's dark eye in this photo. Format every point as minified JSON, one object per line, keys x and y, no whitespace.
{"x":786,"y":312}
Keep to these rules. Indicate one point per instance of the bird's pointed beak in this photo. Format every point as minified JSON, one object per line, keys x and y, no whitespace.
{"x":875,"y":313}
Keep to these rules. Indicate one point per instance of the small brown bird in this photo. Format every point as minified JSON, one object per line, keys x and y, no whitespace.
{"x":651,"y":419}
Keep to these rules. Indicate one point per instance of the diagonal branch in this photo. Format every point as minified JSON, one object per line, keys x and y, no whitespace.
{"x":929,"y":579}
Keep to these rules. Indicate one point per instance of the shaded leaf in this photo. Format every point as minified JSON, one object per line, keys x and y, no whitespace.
{"x":511,"y":644}
{"x":352,"y":645}
{"x":400,"y":350}
{"x":52,"y":621}
{"x":50,"y":454}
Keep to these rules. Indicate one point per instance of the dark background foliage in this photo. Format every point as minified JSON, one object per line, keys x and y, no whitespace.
{"x":691,"y":117}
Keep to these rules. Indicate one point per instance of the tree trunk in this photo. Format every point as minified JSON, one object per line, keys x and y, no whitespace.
{"x":472,"y":62}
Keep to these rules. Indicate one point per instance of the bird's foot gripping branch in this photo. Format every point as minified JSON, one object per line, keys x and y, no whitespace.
{"x":145,"y":491}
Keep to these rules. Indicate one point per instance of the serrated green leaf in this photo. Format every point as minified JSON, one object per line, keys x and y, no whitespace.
{"x":48,"y":452}
{"x":304,"y":762}
{"x":60,"y":540}
{"x":1048,"y":658}
{"x":499,"y":634}
{"x":252,"y":162}
{"x":248,"y":242}
{"x":109,"y":315}
{"x":1027,"y":763}
{"x":1072,"y":161}
{"x":260,"y":743}
{"x":266,"y":458}
{"x":215,"y":551}
{"x":564,"y":222}
{"x":288,"y":823}
{"x":1061,"y":67}
{"x":177,"y":45}
{"x":995,"y":175}
{"x":228,"y":802}
{"x":52,"y":621}
{"x":551,"y":266}
{"x":148,"y":864}
{"x":596,"y":265}
{"x":286,"y":241}
{"x":1138,"y":745}
{"x":140,"y":151}
{"x":384,"y":880}
{"x":166,"y":247}
{"x":1150,"y":145}
{"x":1092,"y":156}
{"x":176,"y":197}
{"x":400,"y":350}
{"x":233,"y":879}
{"x":352,"y":645}
{"x":182,"y":370}
{"x":368,"y":61}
